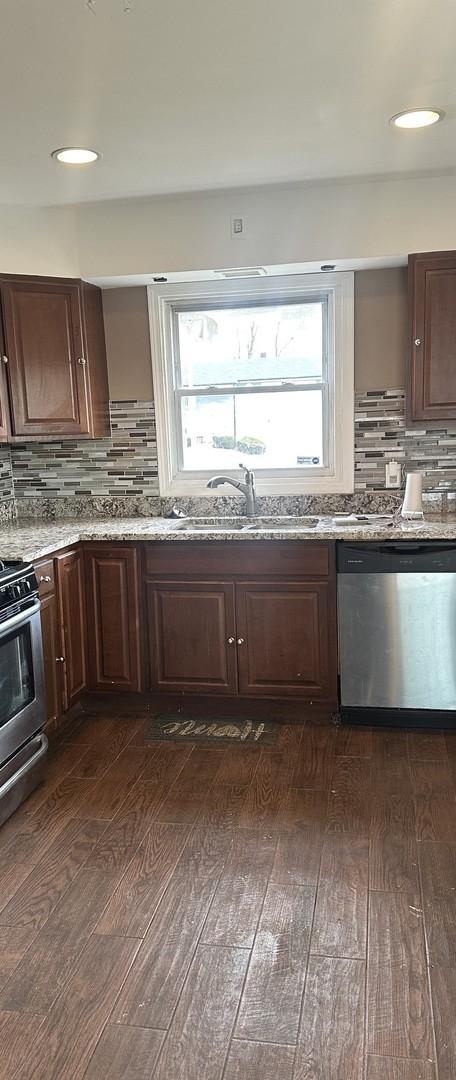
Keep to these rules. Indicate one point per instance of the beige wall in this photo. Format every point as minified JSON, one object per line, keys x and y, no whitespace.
{"x":325,"y":222}
{"x":380,"y":328}
{"x":380,"y":335}
{"x":39,"y":240}
{"x":128,"y":344}
{"x":300,"y":223}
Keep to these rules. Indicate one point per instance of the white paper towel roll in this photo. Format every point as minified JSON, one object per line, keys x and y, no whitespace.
{"x":412,"y":507}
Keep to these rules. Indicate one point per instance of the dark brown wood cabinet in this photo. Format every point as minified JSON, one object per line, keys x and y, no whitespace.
{"x":53,"y":341}
{"x":71,"y":606}
{"x":4,"y":411}
{"x":284,"y":639}
{"x":113,"y":617}
{"x":431,"y":377}
{"x":261,"y":622}
{"x":50,"y":630}
{"x":5,"y":431}
{"x":51,"y":646}
{"x":192,"y":636}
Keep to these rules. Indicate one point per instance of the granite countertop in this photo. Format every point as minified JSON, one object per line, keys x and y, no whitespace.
{"x":35,"y":540}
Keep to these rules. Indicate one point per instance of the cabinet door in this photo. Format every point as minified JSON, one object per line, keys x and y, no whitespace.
{"x":431,"y":382}
{"x":47,"y":374}
{"x":95,"y":354}
{"x":71,"y":597}
{"x":192,"y":636}
{"x":51,"y":648}
{"x":4,"y":404}
{"x":112,"y":591}
{"x":285,"y":642}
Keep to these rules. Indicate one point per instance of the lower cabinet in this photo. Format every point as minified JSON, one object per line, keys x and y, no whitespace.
{"x":71,"y":599}
{"x":241,"y":630}
{"x":257,"y":638}
{"x":284,"y":640}
{"x":192,"y":636}
{"x":51,"y":648}
{"x":113,"y":617}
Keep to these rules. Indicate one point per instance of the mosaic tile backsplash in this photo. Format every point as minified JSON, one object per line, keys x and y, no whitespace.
{"x":119,"y":476}
{"x":125,"y":464}
{"x":6,"y":473}
{"x":381,"y":435}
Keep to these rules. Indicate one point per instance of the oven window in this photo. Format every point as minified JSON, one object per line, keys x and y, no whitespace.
{"x":17,"y":688}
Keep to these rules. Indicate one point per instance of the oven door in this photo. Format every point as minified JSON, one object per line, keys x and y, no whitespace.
{"x":22,"y":701}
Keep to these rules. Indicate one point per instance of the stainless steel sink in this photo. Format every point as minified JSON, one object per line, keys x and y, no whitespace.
{"x":213,"y":525}
{"x":261,"y":524}
{"x":290,"y":524}
{"x":282,"y":524}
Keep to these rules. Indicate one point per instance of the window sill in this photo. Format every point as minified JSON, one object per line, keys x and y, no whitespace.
{"x":321,"y":485}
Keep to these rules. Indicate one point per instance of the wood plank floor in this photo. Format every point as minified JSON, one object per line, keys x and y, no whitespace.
{"x":233,"y":913}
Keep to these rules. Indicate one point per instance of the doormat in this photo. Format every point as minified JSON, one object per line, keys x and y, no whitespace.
{"x":169,"y":728}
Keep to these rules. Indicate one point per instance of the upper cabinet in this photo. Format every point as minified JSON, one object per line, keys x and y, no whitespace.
{"x":55,"y":358}
{"x":431,"y":382}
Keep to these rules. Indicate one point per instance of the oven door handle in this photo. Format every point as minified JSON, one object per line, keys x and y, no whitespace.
{"x":18,"y":620}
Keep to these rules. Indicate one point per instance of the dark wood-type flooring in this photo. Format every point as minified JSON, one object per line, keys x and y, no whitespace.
{"x":188,"y":913}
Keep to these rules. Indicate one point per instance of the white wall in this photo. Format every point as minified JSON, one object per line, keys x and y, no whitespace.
{"x":38,"y":241}
{"x":299,"y":223}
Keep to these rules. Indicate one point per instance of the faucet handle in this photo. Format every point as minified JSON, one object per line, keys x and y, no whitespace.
{"x":249,"y":474}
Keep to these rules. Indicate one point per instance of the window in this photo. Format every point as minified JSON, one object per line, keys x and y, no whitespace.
{"x":258,"y":372}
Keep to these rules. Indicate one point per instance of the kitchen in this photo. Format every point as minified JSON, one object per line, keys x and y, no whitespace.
{"x":206,"y":539}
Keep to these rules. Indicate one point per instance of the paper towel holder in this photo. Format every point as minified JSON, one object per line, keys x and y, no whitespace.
{"x":412,"y":507}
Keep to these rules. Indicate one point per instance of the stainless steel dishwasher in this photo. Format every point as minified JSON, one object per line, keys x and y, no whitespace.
{"x":397,"y":633}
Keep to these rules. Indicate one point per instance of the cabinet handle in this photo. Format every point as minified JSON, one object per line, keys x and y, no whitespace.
{"x":4,"y":359}
{"x":82,"y":360}
{"x":240,"y":640}
{"x":45,"y":578}
{"x":231,"y":641}
{"x":60,"y":659}
{"x":417,"y":341}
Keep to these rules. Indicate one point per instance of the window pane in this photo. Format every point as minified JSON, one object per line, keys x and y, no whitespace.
{"x":267,"y":431}
{"x":250,"y":344}
{"x":16,"y":674}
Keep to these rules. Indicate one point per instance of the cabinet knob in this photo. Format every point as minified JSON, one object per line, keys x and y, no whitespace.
{"x":417,"y":341}
{"x":231,"y":641}
{"x":82,"y":360}
{"x":60,"y":659}
{"x":4,"y":359}
{"x":45,"y":578}
{"x":240,"y":640}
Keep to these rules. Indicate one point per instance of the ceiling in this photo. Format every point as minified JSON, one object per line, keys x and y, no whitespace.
{"x":182,"y":95}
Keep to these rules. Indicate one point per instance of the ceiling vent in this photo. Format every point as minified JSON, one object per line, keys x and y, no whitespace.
{"x":241,"y":272}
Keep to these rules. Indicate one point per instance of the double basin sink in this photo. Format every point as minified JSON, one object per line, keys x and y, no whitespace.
{"x":279,"y":524}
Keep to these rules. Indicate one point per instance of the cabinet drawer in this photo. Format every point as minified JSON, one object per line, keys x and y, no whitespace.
{"x":239,"y":558}
{"x":45,"y":576}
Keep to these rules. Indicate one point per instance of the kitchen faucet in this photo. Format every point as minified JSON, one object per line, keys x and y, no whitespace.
{"x":247,"y":488}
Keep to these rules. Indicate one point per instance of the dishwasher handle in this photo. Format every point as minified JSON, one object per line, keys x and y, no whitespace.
{"x":397,"y":557}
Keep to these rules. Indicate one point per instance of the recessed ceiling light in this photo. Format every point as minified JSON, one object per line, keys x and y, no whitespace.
{"x":417,"y":118}
{"x":75,"y":155}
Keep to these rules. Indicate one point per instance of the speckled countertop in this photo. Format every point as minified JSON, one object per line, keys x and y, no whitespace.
{"x":34,"y":540}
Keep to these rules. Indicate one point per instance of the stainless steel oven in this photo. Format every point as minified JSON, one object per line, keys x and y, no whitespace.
{"x":23,"y":744}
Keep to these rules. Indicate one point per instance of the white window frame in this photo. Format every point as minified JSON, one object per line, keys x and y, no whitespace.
{"x":337,"y":289}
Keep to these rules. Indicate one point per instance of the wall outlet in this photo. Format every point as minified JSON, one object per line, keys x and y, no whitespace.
{"x":393,"y":474}
{"x":237,"y":227}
